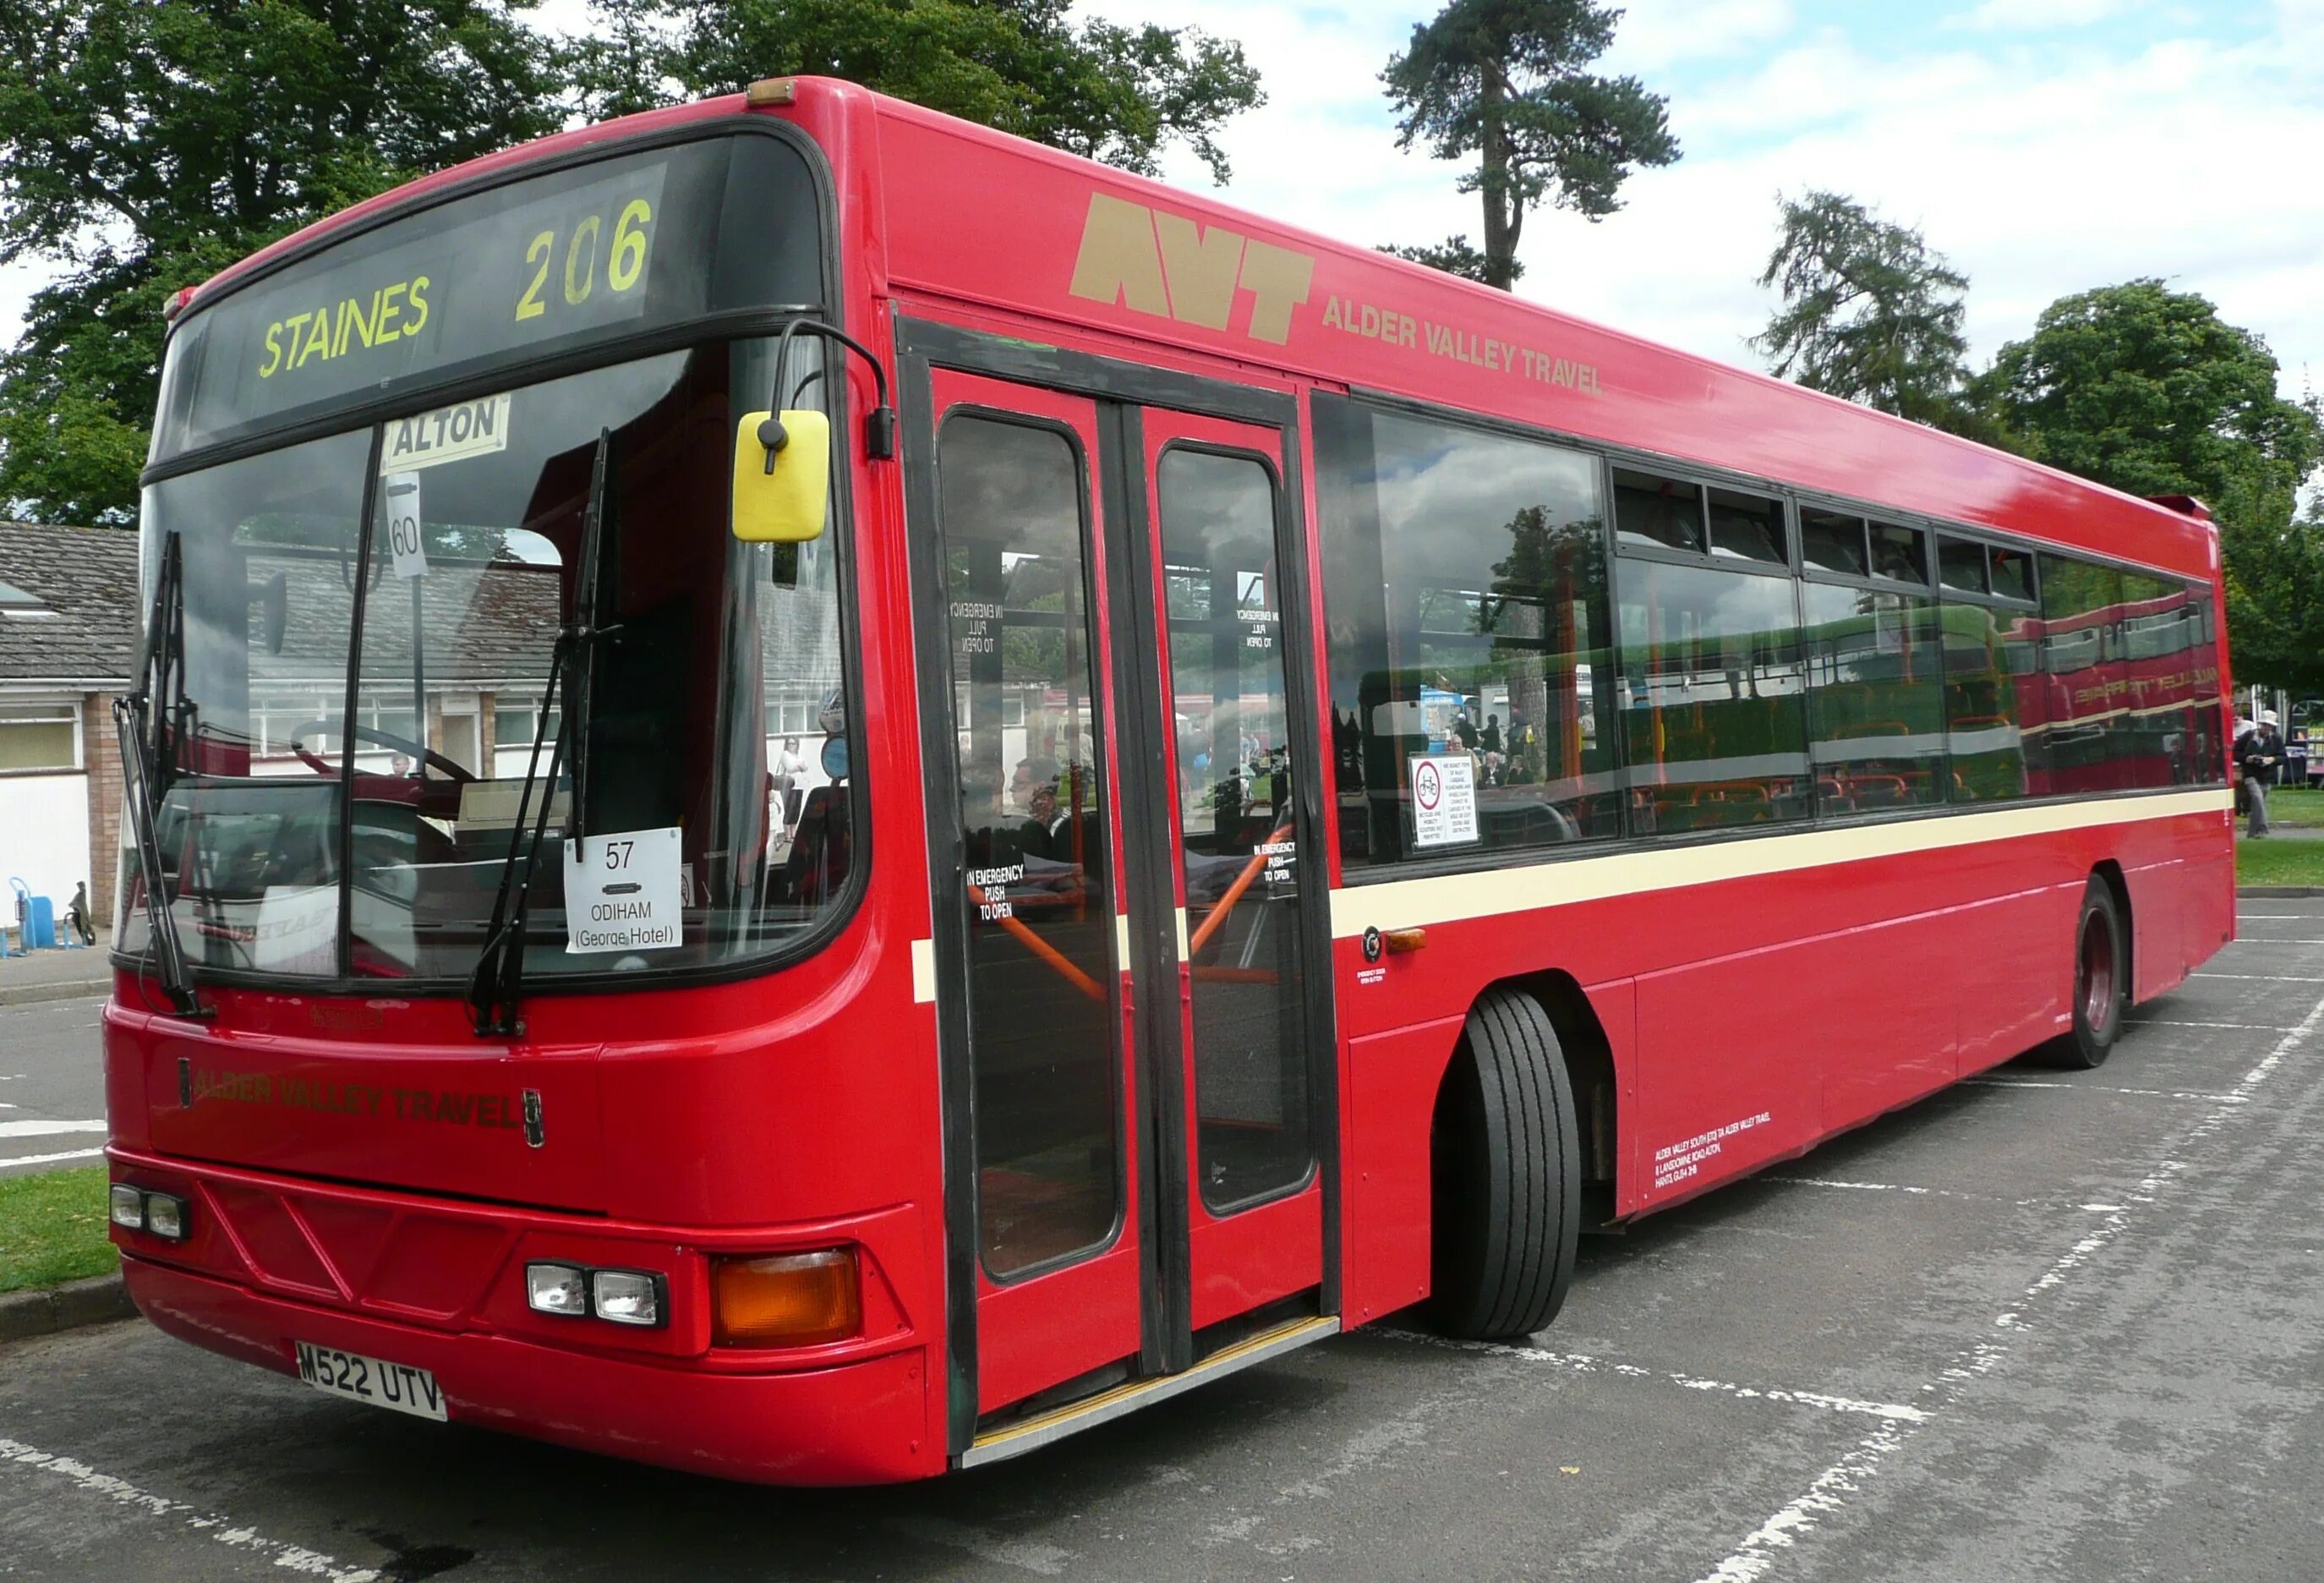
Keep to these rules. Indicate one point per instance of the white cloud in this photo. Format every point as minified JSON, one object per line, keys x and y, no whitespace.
{"x":2040,"y":172}
{"x":1658,"y":32}
{"x":2036,"y":15}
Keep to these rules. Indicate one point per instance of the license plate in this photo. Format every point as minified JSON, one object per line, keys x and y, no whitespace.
{"x":375,"y":1380}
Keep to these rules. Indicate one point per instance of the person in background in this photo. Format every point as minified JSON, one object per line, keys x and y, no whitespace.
{"x":785,"y":775}
{"x":77,"y":914}
{"x":2257,"y":753}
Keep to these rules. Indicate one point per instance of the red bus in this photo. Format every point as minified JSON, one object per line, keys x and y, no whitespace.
{"x":818,"y":795}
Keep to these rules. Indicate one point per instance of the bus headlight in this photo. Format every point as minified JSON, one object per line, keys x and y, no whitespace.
{"x":558,"y":1289}
{"x":626,"y":1297}
{"x":165,"y":1216}
{"x":134,"y":1209}
{"x":581,"y":1292}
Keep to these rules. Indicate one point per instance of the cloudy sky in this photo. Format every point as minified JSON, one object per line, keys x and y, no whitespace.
{"x":2045,"y":146}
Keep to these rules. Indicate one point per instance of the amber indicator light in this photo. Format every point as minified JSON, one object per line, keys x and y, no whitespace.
{"x":785,"y":1300}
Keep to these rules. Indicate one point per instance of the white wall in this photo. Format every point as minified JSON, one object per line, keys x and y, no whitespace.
{"x":43,"y":838}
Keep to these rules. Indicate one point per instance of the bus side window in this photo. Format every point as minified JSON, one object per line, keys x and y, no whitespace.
{"x":1469,"y":632}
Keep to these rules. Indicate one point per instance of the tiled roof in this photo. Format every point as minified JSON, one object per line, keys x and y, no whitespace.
{"x":89,"y":578}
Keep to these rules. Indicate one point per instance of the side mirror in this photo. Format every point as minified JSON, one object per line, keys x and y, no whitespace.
{"x":783,"y":477}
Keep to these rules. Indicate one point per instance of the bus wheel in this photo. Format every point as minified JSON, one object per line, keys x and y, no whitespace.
{"x":2101,"y":982}
{"x":1507,"y":1175}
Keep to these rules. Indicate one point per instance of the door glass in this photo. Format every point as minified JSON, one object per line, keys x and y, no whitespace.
{"x":1235,"y":818}
{"x":1037,"y":893}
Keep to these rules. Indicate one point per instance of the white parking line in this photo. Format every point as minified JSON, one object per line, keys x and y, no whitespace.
{"x":2102,"y":1089}
{"x":43,"y":1129}
{"x":2260,"y":977}
{"x":289,"y":1557}
{"x":1866,"y":1187}
{"x":2172,"y":1023}
{"x":1582,"y":1364}
{"x":1828,"y":1493}
{"x":51,"y":1159}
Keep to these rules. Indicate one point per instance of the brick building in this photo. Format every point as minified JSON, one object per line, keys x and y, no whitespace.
{"x":68,"y":641}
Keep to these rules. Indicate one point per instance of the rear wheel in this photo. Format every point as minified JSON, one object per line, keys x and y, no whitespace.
{"x":2101,"y":981}
{"x":1507,"y":1175}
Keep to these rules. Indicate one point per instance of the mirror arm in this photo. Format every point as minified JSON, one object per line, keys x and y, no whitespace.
{"x":878,"y":424}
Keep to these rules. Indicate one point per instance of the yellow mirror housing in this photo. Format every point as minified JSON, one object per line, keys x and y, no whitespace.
{"x":780,"y":494}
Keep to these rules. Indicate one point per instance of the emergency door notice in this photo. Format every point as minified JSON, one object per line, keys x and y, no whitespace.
{"x":1444,"y":798}
{"x":624,"y":892}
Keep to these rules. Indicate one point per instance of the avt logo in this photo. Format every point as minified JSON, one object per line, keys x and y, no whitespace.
{"x":1162,"y":263}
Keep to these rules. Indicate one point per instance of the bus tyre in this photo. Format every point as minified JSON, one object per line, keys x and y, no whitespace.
{"x":2101,"y":981}
{"x":1507,"y":1175}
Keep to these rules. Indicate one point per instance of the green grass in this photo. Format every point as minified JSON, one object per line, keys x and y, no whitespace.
{"x":2296,"y":807}
{"x":52,"y":1228}
{"x":2284,"y":861}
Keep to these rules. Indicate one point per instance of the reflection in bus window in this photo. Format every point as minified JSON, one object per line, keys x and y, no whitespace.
{"x":681,"y":722}
{"x":2088,"y":693}
{"x":1994,"y":702}
{"x":249,"y":831}
{"x":1465,"y":599}
{"x":1876,"y":698}
{"x":1240,"y":840}
{"x":1037,"y":893}
{"x":1715,"y":731}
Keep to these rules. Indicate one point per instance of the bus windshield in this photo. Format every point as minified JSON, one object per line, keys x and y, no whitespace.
{"x":369,"y":624}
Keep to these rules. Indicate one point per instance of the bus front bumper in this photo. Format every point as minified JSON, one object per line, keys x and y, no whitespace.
{"x":862,"y":1422}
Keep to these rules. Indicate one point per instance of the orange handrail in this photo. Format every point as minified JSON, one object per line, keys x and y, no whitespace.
{"x":1042,"y":949}
{"x":1234,"y":893}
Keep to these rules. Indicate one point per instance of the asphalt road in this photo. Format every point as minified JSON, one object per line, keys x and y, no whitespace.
{"x":52,"y":1086}
{"x":2043,"y":1326}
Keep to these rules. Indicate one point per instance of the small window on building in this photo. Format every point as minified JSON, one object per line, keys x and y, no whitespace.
{"x":16,"y":604}
{"x":1961,"y":564}
{"x":1833,"y":541}
{"x":1659,"y":512}
{"x":2013,"y":573}
{"x":38,"y":737}
{"x":1896,"y":553}
{"x":1748,"y":527}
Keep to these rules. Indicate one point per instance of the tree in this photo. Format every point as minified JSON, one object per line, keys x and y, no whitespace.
{"x":144,"y":144}
{"x":1868,"y":312}
{"x":2275,"y":621}
{"x":1455,"y":256}
{"x":1504,"y":80}
{"x":1112,"y":93}
{"x":2147,"y":389}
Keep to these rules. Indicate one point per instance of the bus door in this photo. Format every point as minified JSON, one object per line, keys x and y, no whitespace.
{"x":1240,"y":1169}
{"x":1119,"y":922}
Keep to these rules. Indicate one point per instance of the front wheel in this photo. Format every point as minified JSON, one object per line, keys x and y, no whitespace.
{"x":1507,"y":1175}
{"x":2101,"y":981}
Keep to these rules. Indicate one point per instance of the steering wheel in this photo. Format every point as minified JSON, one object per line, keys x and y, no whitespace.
{"x":426,"y":756}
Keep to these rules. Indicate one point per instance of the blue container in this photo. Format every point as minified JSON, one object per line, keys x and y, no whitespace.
{"x":39,"y":920}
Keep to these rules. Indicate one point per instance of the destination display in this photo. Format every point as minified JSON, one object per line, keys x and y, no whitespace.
{"x":531,"y":269}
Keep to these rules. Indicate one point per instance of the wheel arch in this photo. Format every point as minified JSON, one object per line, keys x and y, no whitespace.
{"x":2111,"y":872}
{"x":1590,"y":1066}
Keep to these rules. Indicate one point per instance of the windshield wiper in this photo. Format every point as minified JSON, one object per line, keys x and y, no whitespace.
{"x":496,"y":988}
{"x":151,"y":721}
